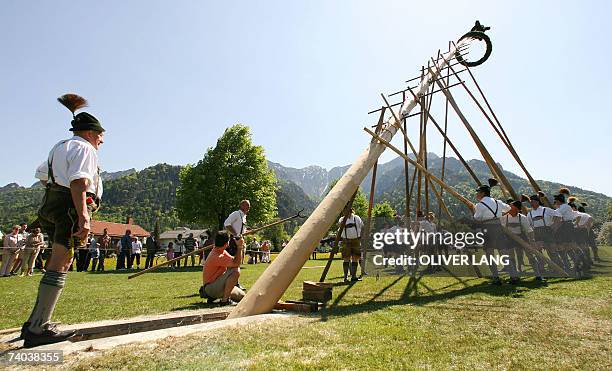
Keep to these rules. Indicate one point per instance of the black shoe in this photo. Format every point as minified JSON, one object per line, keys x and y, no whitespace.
{"x":202,"y":292}
{"x":355,"y":279}
{"x":346,"y":280}
{"x":223,"y":303}
{"x":240,"y":287}
{"x":496,"y":281}
{"x":514,"y":280}
{"x":210,"y":300}
{"x":24,"y":327}
{"x":50,"y":335}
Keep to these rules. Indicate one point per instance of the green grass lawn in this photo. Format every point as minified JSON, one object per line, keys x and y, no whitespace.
{"x":392,"y":322}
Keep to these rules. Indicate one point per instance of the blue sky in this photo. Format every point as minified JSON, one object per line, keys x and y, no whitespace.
{"x":166,"y":78}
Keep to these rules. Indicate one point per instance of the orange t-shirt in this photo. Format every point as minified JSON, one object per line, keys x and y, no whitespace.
{"x":216,"y":264}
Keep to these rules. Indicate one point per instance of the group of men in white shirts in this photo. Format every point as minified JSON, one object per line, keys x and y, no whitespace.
{"x":563,"y":233}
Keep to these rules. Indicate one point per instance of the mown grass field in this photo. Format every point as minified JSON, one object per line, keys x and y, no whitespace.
{"x":391,"y":322}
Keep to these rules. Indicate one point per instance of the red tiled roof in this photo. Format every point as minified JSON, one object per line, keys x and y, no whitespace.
{"x":117,"y":229}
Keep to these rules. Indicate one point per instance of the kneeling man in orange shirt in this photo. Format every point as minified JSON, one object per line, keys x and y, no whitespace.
{"x":221,"y":271}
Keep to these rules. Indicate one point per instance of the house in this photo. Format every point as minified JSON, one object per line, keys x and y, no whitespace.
{"x":170,"y":236}
{"x":117,"y":230}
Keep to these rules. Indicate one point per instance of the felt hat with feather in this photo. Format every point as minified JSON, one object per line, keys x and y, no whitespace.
{"x":83,"y":120}
{"x":486,"y":188}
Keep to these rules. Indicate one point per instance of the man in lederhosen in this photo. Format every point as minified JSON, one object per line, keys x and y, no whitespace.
{"x":588,"y":225}
{"x":487,"y":213}
{"x":351,"y":246}
{"x":582,"y":223}
{"x":73,"y":191}
{"x":518,"y":224}
{"x":542,"y":219}
{"x":236,"y":225}
{"x":564,"y":234}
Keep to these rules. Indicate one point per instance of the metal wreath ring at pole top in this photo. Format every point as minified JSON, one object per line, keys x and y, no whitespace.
{"x":478,"y":35}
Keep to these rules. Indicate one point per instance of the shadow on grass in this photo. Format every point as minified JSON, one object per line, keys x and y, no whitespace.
{"x":199,"y":305}
{"x":411,"y":296}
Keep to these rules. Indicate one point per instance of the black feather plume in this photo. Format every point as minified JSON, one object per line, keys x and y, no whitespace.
{"x":492,"y":182}
{"x":73,"y":102}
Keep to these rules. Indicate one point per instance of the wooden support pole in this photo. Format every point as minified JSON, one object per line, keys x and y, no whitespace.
{"x":503,"y":136}
{"x":455,"y":150}
{"x":406,"y":176}
{"x":485,"y":153}
{"x":448,"y":188}
{"x":444,"y":142}
{"x":428,"y":181}
{"x":334,"y":251}
{"x":368,"y":223}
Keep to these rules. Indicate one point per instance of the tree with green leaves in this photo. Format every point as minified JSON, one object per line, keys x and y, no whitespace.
{"x":383,"y":210}
{"x":360,"y":204}
{"x":235,"y":169}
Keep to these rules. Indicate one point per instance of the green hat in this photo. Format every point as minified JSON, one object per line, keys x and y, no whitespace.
{"x":483,"y":188}
{"x":85,"y":121}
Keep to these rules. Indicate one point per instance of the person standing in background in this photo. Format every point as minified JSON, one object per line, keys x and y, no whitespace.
{"x":179,"y":249}
{"x":105,"y":244}
{"x":32,"y":248}
{"x":151,"y":246}
{"x":190,"y":244}
{"x":126,"y":250}
{"x":136,"y":252}
{"x":9,"y":251}
{"x":23,"y":236}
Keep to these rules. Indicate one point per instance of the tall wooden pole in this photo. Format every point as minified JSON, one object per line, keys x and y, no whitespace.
{"x":444,"y":139}
{"x":406,"y":171}
{"x":502,"y":135}
{"x":483,"y":150}
{"x":275,"y":280}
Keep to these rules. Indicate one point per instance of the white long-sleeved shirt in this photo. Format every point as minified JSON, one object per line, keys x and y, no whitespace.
{"x":73,"y":159}
{"x":541,"y":217}
{"x":584,"y":218}
{"x":566,"y":212}
{"x":482,"y":213}
{"x":516,"y":224}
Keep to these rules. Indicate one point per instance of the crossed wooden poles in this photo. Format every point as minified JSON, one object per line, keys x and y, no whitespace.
{"x":210,"y":246}
{"x":420,"y":165}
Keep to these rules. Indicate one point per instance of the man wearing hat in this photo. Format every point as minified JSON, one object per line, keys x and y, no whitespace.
{"x":541,"y":219}
{"x":487,"y":213}
{"x":582,"y":224}
{"x":564,"y":233}
{"x":518,"y":224}
{"x":73,"y":190}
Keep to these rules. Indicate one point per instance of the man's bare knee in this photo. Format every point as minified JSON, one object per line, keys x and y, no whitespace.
{"x":61,"y":258}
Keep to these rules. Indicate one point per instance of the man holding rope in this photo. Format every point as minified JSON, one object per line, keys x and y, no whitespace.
{"x":236,"y":225}
{"x":487,"y":213}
